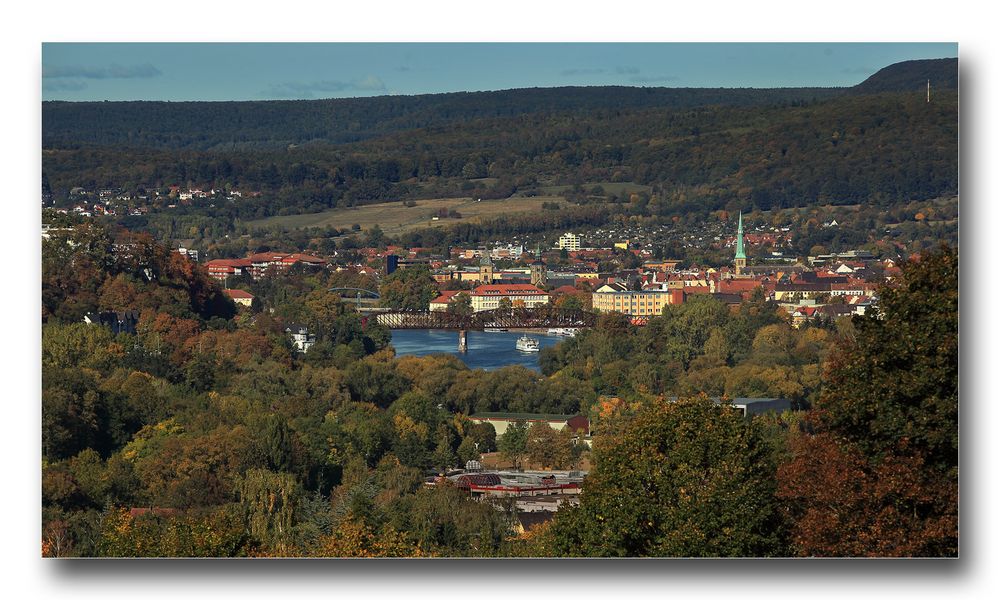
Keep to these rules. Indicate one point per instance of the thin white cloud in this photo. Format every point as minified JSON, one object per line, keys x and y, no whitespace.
{"x":309,"y":89}
{"x":572,"y":72}
{"x":70,"y":85}
{"x":115,"y":71}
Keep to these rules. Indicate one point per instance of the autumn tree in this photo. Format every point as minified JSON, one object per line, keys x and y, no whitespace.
{"x":550,"y":448}
{"x":682,"y":478}
{"x":880,"y":475}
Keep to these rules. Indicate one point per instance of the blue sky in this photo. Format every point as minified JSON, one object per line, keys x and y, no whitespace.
{"x":262,"y":71}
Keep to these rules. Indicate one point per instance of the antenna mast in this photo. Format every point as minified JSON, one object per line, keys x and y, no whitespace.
{"x":928,"y":91}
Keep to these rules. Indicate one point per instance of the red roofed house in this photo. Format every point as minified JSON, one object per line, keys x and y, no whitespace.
{"x":262,"y":261}
{"x":487,"y":297}
{"x":239,"y":297}
{"x":441,"y":302}
{"x":220,"y":268}
{"x":306,"y":259}
{"x":744,"y":287}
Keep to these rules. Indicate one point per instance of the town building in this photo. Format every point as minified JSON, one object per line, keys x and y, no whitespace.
{"x":569,"y":241}
{"x":617,"y":297}
{"x":485,"y":270}
{"x":261,"y":262}
{"x":221,"y":268}
{"x":240,"y":297}
{"x":301,"y":338}
{"x":188,"y":253}
{"x":538,"y":273}
{"x":487,"y":297}
{"x":440,"y":304}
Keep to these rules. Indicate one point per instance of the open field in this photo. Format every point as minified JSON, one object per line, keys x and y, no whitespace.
{"x":395,"y":218}
{"x":609,"y":187}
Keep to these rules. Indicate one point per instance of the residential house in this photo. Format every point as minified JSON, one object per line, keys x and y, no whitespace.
{"x":240,"y":297}
{"x":301,"y":338}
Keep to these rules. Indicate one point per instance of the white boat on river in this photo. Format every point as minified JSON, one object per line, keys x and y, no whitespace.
{"x":527,"y":344}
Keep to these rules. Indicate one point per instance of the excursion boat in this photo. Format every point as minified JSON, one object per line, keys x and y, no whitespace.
{"x":527,"y":344}
{"x":494,"y":330}
{"x":565,"y":331}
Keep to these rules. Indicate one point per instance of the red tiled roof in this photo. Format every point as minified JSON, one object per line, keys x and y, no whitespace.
{"x":500,"y":289}
{"x":738,"y":285}
{"x":445,"y":297}
{"x":238,"y":294}
{"x":292,"y":258}
{"x":228,"y":262}
{"x":565,"y":289}
{"x":262,"y":257}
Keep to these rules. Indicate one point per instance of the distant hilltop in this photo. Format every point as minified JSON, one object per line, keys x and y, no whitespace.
{"x":912,"y":75}
{"x":277,"y":124}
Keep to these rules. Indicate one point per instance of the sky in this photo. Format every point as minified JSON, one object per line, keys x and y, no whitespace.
{"x":280,"y":71}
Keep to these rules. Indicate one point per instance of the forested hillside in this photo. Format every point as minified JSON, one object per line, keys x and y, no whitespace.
{"x":911,"y":76}
{"x":274,"y":124}
{"x":871,"y":149}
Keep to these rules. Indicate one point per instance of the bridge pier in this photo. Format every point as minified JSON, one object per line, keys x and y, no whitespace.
{"x":463,"y":340}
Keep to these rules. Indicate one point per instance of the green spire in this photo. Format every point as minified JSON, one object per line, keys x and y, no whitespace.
{"x":739,"y":239}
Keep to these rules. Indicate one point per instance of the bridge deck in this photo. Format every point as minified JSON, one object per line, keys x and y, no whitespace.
{"x":540,"y":317}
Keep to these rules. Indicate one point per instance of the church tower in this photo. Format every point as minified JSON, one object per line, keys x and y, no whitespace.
{"x":486,"y":269}
{"x":741,"y":258}
{"x":537,"y":270}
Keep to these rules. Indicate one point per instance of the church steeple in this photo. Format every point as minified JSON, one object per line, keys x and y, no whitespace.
{"x":739,"y":239}
{"x":740,"y":260}
{"x":537,"y":268}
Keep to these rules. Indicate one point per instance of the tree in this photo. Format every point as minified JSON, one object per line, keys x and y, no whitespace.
{"x":467,"y":450}
{"x":513,"y":444}
{"x":905,"y":355}
{"x":411,"y":288}
{"x":269,"y":501}
{"x":460,"y":304}
{"x":676,"y":478}
{"x":879,"y":477}
{"x":542,"y":447}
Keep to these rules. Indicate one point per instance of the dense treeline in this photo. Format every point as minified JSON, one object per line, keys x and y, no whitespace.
{"x":275,"y":124}
{"x":698,"y":346}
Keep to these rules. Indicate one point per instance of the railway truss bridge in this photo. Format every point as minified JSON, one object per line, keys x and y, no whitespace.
{"x":501,"y":318}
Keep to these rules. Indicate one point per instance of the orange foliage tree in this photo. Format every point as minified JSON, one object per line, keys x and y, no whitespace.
{"x":880,"y":475}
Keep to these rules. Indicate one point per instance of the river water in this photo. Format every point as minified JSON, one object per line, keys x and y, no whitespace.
{"x":486,"y":350}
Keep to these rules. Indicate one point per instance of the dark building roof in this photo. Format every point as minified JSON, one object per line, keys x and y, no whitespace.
{"x":477,"y":479}
{"x":530,"y":520}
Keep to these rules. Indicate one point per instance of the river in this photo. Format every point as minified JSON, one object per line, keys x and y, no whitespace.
{"x":486,"y":350}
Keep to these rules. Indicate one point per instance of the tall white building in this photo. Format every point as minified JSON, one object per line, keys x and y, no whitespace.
{"x":569,"y":241}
